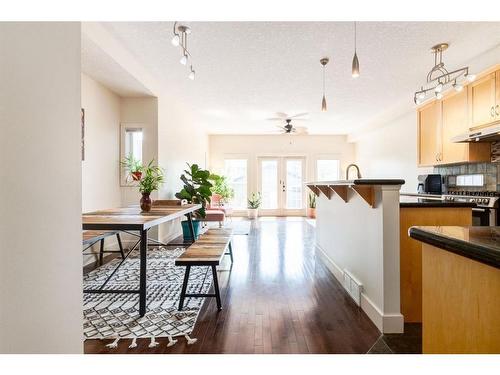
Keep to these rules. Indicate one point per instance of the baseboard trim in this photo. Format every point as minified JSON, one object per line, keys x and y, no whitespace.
{"x":386,"y":323}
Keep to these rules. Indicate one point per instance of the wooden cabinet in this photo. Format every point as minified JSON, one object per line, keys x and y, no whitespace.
{"x":454,"y":121}
{"x":483,"y":100}
{"x":429,"y":129}
{"x":440,"y":121}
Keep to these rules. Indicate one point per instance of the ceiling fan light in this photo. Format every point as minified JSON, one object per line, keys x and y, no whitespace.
{"x":355,"y":66}
{"x":176,"y":40}
{"x":439,"y":95}
{"x":184,"y":60}
{"x":470,"y":77}
{"x":323,"y":104}
{"x":438,"y":88}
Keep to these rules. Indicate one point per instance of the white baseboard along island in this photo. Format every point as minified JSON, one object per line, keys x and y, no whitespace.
{"x":357,"y":236}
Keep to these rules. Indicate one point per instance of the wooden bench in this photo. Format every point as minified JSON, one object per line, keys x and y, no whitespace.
{"x":91,"y":237}
{"x":208,"y":250}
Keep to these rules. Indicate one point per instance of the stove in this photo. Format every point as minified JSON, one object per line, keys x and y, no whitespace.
{"x":486,"y":213}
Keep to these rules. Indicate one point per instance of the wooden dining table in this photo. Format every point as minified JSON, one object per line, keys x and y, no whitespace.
{"x":132,"y":219}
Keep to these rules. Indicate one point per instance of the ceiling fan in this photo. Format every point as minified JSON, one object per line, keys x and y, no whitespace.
{"x":289,"y":128}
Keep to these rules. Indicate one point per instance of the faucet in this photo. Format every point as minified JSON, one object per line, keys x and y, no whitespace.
{"x":349,"y":167}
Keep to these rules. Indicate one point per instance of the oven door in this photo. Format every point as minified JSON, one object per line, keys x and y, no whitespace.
{"x":483,"y":217}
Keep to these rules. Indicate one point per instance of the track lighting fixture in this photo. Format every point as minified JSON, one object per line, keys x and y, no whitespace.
{"x":179,"y":39}
{"x":439,"y":78}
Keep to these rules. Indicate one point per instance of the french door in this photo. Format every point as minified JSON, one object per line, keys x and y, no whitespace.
{"x":281,"y":183}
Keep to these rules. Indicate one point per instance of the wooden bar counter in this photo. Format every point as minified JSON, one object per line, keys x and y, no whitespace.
{"x":460,"y":289}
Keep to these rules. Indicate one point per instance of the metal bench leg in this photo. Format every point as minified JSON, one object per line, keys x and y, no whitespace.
{"x":230,"y":247}
{"x":101,"y":252}
{"x":184,"y":287}
{"x":120,"y":245}
{"x":216,"y":288}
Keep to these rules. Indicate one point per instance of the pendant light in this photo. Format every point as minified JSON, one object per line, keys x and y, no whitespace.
{"x":323,"y":62}
{"x":355,"y":61}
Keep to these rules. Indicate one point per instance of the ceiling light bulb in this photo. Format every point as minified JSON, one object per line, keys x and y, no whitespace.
{"x":323,"y":104}
{"x":191,"y":75}
{"x":439,"y":87}
{"x":439,"y":95}
{"x":421,"y":95}
{"x":184,"y":60}
{"x":176,"y":40}
{"x":470,"y":77}
{"x":458,"y":87}
{"x":355,"y":66}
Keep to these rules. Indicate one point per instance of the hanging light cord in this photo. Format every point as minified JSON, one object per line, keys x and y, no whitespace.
{"x":355,"y":38}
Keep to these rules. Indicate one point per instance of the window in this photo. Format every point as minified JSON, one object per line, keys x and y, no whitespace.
{"x":327,"y":169}
{"x":236,"y":173}
{"x":133,"y":143}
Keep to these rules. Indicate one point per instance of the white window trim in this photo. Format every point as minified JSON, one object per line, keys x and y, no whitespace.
{"x":123,"y":127}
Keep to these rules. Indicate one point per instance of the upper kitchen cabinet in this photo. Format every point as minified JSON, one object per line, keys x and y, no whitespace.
{"x":429,"y":129}
{"x":454,"y":121}
{"x":438,"y":122}
{"x":484,"y":100}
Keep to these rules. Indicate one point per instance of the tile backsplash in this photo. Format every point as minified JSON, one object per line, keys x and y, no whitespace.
{"x":491,"y":171}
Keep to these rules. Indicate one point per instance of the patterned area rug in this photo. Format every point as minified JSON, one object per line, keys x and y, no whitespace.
{"x":117,"y":315}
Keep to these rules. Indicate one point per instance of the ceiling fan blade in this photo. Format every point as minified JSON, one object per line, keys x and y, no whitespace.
{"x":282,"y":115}
{"x":301,"y":130}
{"x":299,"y":115}
{"x":275,"y":119}
{"x":279,"y":126}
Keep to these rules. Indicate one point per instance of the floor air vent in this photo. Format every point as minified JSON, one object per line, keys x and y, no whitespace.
{"x":353,"y":287}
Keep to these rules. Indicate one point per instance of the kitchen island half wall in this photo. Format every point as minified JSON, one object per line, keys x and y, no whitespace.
{"x":357,"y":236}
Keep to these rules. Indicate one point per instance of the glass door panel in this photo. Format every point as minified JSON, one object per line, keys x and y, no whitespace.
{"x":293,"y":184}
{"x":269,"y":184}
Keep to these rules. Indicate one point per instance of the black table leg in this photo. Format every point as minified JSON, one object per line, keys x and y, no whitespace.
{"x":184,"y":287}
{"x":191,"y":226}
{"x":142,"y":274}
{"x":101,"y":252}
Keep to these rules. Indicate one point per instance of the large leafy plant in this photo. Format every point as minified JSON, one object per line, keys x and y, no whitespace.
{"x":197,"y":187}
{"x":222,"y":188}
{"x":152,"y":178}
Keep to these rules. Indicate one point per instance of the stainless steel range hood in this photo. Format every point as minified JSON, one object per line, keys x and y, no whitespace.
{"x":489,"y":134}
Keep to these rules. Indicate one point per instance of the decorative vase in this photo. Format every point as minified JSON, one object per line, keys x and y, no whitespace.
{"x":146,"y":202}
{"x":136,"y":176}
{"x":253,"y":213}
{"x":186,"y":232}
{"x":311,"y":213}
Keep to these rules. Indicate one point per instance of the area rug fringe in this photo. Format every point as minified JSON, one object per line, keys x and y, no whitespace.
{"x":153,"y":343}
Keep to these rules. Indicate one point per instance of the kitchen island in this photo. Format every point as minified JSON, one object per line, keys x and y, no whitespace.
{"x":357,"y":237}
{"x":460,"y":288}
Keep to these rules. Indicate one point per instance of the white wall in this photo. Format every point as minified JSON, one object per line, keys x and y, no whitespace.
{"x":253,"y":146}
{"x":40,"y":190}
{"x":390,"y":150}
{"x":100,"y":170}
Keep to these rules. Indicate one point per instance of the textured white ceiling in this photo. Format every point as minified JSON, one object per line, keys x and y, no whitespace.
{"x":246,"y":71}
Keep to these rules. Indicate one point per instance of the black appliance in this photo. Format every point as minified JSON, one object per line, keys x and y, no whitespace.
{"x":431,"y":184}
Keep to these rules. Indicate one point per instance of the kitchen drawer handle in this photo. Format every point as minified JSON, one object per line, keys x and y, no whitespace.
{"x":492,"y":111}
{"x":496,"y":110}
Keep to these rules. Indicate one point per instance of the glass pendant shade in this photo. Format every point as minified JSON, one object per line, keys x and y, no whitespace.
{"x":323,"y":104}
{"x":191,"y":75}
{"x":355,"y":66}
{"x":183,"y":60}
{"x":176,"y":40}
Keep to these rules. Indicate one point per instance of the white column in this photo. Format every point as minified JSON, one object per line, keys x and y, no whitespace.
{"x":40,"y":188}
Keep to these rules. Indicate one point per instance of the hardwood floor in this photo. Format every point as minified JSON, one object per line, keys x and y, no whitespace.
{"x":276,"y":298}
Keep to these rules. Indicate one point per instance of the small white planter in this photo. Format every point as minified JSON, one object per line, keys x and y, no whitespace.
{"x":253,"y":213}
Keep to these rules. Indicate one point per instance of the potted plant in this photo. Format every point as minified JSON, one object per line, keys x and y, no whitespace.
{"x":222,"y":188}
{"x":133,"y":167}
{"x":253,"y":205}
{"x":152,"y":178}
{"x":311,"y":212}
{"x":196,"y":190}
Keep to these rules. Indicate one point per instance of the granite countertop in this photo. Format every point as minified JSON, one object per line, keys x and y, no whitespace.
{"x":478,"y":243}
{"x":360,"y":181}
{"x":411,"y":201}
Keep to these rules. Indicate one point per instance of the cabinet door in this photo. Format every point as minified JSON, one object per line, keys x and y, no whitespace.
{"x":454,"y":122}
{"x":429,"y":134}
{"x":482,"y":101}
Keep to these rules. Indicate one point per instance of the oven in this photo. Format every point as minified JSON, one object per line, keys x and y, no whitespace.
{"x":484,"y":217}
